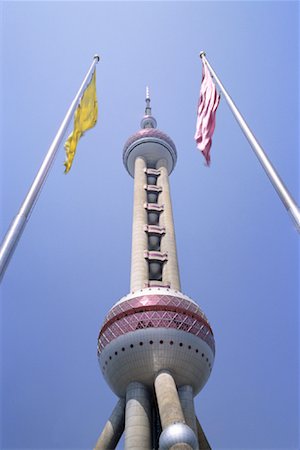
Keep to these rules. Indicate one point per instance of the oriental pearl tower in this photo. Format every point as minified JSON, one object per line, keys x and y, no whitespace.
{"x":156,"y":347}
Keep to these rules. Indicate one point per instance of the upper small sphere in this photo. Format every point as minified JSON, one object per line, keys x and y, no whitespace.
{"x":153,"y":145}
{"x":149,"y":143}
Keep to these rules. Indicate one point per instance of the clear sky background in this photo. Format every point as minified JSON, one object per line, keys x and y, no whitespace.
{"x":237,"y":246}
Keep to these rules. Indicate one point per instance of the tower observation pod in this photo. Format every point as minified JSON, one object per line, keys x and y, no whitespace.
{"x":156,"y":347}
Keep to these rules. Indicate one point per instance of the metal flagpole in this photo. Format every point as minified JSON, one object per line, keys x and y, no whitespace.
{"x":278,"y":184}
{"x":18,"y":224}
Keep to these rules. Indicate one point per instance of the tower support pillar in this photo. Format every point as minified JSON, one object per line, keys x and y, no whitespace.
{"x":137,"y":418}
{"x":203,"y":442}
{"x":169,"y":406}
{"x":113,"y":428}
{"x":139,"y":265}
{"x":186,"y":397}
{"x":168,"y":242}
{"x":176,"y":435}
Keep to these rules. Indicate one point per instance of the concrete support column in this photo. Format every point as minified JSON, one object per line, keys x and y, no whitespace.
{"x":168,"y":242}
{"x":139,"y":265}
{"x":176,"y":434}
{"x":113,"y":428}
{"x":186,"y":396}
{"x":169,"y":406}
{"x":203,"y":442}
{"x":137,"y":418}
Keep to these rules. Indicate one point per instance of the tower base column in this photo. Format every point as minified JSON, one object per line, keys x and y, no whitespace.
{"x":137,"y":418}
{"x":176,"y":435}
{"x":113,"y":428}
{"x":186,"y":397}
{"x":203,"y":442}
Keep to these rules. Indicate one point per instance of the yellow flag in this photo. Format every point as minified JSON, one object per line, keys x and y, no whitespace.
{"x":85,"y":117}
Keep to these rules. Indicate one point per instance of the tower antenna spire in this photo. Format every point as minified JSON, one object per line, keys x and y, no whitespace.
{"x":148,"y":107}
{"x":148,"y":120}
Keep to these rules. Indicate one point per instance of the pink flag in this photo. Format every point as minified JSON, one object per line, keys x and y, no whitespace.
{"x":206,"y":114}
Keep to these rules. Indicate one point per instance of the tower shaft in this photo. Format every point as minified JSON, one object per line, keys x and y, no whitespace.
{"x":139,"y":265}
{"x":168,"y":242}
{"x":154,"y":256}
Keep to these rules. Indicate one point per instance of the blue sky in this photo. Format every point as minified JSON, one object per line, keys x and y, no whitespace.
{"x":238,"y":250}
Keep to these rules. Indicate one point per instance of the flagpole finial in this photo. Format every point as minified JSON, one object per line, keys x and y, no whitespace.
{"x":97,"y":57}
{"x":202,"y":53}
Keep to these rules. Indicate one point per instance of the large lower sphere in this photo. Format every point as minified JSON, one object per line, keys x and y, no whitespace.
{"x":151,"y":330}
